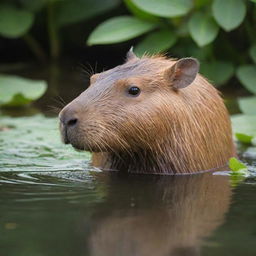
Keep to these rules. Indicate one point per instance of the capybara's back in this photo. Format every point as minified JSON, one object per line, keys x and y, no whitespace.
{"x":151,"y":115}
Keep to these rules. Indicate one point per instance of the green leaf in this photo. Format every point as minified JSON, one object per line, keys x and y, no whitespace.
{"x":68,"y":11}
{"x":14,"y":22}
{"x":239,"y":171}
{"x":252,"y":53}
{"x":244,"y":138}
{"x":202,"y":28}
{"x":219,"y":72}
{"x":156,"y":42}
{"x":247,"y":74}
{"x":235,"y":165}
{"x":245,"y":124}
{"x":165,"y":8}
{"x":34,"y":5}
{"x":229,"y":13}
{"x":138,"y":12}
{"x":248,"y":105}
{"x":201,"y":3}
{"x":119,"y":29}
{"x":18,"y":91}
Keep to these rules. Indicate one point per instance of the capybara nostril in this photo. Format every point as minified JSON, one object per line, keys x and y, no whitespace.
{"x":72,"y":122}
{"x":68,"y":116}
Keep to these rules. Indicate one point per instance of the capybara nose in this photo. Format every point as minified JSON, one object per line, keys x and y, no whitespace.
{"x":68,"y":118}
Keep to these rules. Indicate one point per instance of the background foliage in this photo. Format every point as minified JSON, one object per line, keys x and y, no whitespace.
{"x":221,"y":34}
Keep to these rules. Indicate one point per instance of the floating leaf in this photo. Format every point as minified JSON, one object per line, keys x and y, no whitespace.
{"x":235,"y":165}
{"x":156,"y":42}
{"x":17,"y":91}
{"x":244,"y":138}
{"x":202,"y":28}
{"x":239,"y":171}
{"x":68,"y":12}
{"x":247,"y":74}
{"x":248,"y":105}
{"x":14,"y":22}
{"x":219,"y":72}
{"x":119,"y":29}
{"x":33,"y":144}
{"x":253,"y":53}
{"x":165,"y":8}
{"x":229,"y":13}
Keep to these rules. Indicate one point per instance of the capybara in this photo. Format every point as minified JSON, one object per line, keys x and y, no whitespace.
{"x":150,"y":115}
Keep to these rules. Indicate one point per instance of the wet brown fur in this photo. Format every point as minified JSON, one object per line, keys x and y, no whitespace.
{"x":163,"y":130}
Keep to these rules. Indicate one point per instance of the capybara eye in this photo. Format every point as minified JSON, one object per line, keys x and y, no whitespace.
{"x":134,"y":91}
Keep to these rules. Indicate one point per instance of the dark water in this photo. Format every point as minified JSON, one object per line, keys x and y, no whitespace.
{"x":53,"y":203}
{"x":90,"y":213}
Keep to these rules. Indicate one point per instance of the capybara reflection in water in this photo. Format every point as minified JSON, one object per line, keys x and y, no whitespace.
{"x":157,"y":215}
{"x":150,"y":115}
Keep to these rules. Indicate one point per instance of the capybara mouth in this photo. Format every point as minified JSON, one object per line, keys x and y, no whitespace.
{"x":69,"y":139}
{"x":80,"y":147}
{"x":64,"y":135}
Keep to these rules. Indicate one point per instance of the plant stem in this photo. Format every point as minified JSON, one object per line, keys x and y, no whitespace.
{"x":250,"y":31}
{"x":35,"y":48}
{"x":53,"y":33}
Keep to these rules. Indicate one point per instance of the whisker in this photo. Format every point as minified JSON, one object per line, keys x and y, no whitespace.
{"x":54,"y":109}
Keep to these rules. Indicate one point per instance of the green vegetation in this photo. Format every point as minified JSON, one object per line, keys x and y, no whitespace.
{"x":244,"y":127}
{"x":33,"y":144}
{"x":16,"y":91}
{"x":206,"y":22}
{"x":211,"y":30}
{"x":18,"y":17}
{"x":236,"y":166}
{"x":201,"y":28}
{"x":239,"y":171}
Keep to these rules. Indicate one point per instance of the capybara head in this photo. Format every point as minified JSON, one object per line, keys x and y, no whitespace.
{"x":153,"y":105}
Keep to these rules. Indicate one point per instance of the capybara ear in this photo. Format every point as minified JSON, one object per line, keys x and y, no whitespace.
{"x":182,"y":73}
{"x":131,"y":55}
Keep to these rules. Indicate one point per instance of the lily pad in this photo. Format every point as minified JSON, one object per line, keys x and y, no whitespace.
{"x":34,"y":144}
{"x":244,"y":127}
{"x":18,"y":91}
{"x":248,"y":105}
